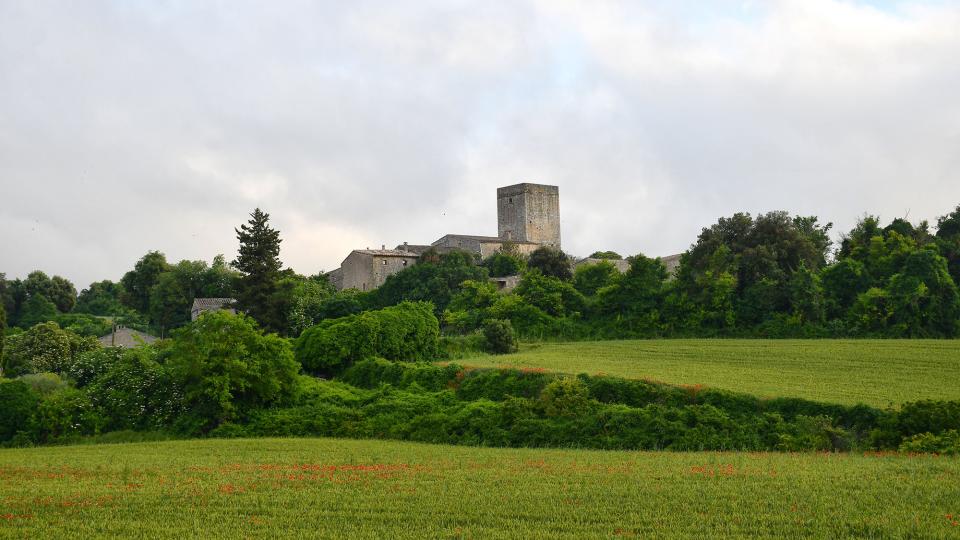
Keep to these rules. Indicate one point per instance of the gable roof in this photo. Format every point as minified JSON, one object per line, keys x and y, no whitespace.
{"x":126,"y":337}
{"x":204,"y":304}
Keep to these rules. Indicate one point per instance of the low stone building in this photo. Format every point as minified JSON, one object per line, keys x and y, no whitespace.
{"x":367,"y":269}
{"x":484,"y":246}
{"x":203,"y":305}
{"x":506,"y":284}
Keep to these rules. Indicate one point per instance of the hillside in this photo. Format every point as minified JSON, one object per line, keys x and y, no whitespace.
{"x":874,"y":372}
{"x":373,"y":489}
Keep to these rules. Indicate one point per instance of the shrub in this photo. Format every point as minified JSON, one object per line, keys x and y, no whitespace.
{"x":227,"y":367}
{"x":500,"y":337}
{"x":42,"y":348}
{"x":89,"y":365}
{"x":65,"y":413}
{"x":43,"y":383}
{"x":947,"y":443}
{"x":566,"y":397}
{"x":136,"y":392}
{"x":18,"y":402}
{"x":408,"y":332}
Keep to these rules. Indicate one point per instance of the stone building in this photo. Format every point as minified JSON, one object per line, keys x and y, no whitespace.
{"x":367,"y":269}
{"x":670,"y":262}
{"x":528,"y":217}
{"x":203,"y":305}
{"x":484,"y":246}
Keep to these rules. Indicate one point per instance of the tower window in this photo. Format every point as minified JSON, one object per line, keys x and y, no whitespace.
{"x":384,"y":262}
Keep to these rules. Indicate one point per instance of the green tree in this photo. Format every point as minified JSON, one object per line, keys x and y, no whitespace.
{"x":635,"y":302}
{"x":948,"y":242}
{"x":258,"y":262}
{"x":37,"y":309}
{"x":138,"y":282}
{"x":56,"y":289}
{"x":43,"y":348}
{"x":436,"y":278}
{"x":609,"y":255}
{"x":551,"y":262}
{"x":842,"y":282}
{"x":229,"y":367}
{"x":3,"y":332}
{"x":500,"y":336}
{"x":18,"y":403}
{"x":590,"y":278}
{"x":504,"y":264}
{"x":100,"y":298}
{"x":806,"y":295}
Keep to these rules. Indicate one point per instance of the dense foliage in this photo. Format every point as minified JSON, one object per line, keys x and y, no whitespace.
{"x":408,"y":331}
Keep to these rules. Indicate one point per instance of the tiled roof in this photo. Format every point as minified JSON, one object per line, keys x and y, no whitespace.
{"x":125,"y":337}
{"x":496,"y":239}
{"x":204,"y":304}
{"x":386,"y":252}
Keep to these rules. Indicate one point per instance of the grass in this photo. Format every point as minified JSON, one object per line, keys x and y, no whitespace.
{"x":874,"y":372}
{"x":372,"y":489}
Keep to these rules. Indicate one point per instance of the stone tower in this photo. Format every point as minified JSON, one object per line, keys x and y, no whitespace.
{"x":529,"y":213}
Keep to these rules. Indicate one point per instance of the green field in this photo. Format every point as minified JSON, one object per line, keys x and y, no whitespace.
{"x":875,"y":372}
{"x":373,"y":489}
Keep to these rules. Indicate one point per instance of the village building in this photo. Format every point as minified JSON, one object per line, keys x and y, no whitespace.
{"x":203,"y":305}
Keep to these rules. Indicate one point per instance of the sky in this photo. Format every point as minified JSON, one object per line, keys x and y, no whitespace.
{"x":134,"y":126}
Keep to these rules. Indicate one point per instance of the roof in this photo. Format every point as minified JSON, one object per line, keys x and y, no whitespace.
{"x":386,"y":252}
{"x":204,"y":304}
{"x":496,"y":239}
{"x":126,"y":337}
{"x":672,"y":262}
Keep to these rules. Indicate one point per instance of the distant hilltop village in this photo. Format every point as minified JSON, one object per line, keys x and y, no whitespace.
{"x":528,"y":217}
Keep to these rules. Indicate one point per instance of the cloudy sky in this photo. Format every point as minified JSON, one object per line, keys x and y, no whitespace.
{"x":131,"y":126}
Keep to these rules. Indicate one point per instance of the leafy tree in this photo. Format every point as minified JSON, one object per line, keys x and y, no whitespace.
{"x":309,"y":298}
{"x":590,"y":278}
{"x":504,"y":264}
{"x":228,"y":367}
{"x":550,"y":294}
{"x":551,"y":262}
{"x":635,"y":301}
{"x":100,"y":298}
{"x":610,"y":255}
{"x":924,"y":298}
{"x":435,"y":278}
{"x":948,"y":242}
{"x":36,"y":310}
{"x":259,"y":264}
{"x":17,"y":406}
{"x":132,"y":388}
{"x":842,"y":282}
{"x":806,"y":295}
{"x":57,"y":289}
{"x":3,"y":331}
{"x":137,"y":283}
{"x":42,"y":348}
{"x":469,"y":307}
{"x":500,"y":336}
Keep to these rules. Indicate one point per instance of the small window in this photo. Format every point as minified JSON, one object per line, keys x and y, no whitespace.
{"x":510,"y":200}
{"x":404,"y":262}
{"x":384,"y":262}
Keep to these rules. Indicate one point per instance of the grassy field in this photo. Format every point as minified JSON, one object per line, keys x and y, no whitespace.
{"x":373,"y":489}
{"x":875,"y":372}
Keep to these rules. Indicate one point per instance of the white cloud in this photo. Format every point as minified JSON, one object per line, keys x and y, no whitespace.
{"x":127,"y":127}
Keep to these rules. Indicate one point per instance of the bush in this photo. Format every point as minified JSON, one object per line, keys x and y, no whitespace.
{"x":407,"y":332}
{"x":44,"y":383}
{"x":18,"y":403}
{"x":89,"y":365}
{"x":567,"y":397}
{"x":136,"y":392}
{"x":947,"y":443}
{"x":42,"y":348}
{"x":228,"y":367}
{"x":67,"y":413}
{"x":500,"y":337}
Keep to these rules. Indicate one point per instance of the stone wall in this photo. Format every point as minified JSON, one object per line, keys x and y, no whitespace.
{"x":366,"y":270}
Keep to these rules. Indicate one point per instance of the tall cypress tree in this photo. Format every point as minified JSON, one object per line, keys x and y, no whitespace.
{"x":259,"y":264}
